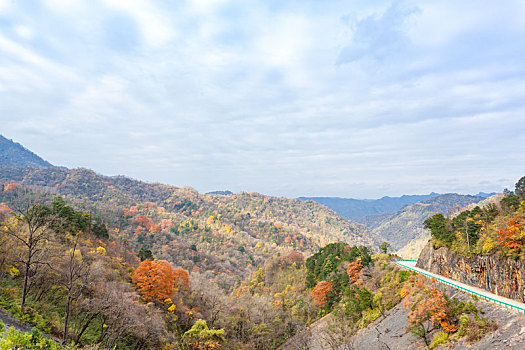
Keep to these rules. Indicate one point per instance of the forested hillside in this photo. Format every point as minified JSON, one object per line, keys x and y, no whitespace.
{"x":401,"y":227}
{"x":228,"y":235}
{"x":63,"y":270}
{"x":91,"y":272}
{"x":495,"y":227}
{"x":14,"y":154}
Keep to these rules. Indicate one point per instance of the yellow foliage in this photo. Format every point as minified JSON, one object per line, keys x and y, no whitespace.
{"x":172,"y":308}
{"x":101,"y":251}
{"x":13,"y":271}
{"x":488,"y":244}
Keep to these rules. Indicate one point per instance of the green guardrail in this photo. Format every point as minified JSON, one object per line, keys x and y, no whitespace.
{"x":512,"y":307}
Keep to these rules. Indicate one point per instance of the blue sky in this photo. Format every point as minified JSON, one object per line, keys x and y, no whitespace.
{"x":340,"y":98}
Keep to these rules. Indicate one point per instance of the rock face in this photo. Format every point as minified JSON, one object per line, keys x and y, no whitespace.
{"x":499,"y":275}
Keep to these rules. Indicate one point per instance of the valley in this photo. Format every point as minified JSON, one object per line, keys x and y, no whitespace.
{"x":188,"y":270}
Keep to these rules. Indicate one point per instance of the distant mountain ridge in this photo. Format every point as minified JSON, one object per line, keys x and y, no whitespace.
{"x":14,"y":154}
{"x":221,"y":193}
{"x":356,"y":209}
{"x":401,"y":227}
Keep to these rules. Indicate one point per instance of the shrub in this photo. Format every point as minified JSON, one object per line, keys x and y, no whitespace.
{"x":439,"y":338}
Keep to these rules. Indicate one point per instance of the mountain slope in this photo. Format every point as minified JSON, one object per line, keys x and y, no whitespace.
{"x":401,"y":227}
{"x":14,"y":154}
{"x":413,"y":248}
{"x":223,"y":234}
{"x":355,"y":209}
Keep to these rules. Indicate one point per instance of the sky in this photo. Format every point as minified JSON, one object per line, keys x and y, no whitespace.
{"x":291,"y":98}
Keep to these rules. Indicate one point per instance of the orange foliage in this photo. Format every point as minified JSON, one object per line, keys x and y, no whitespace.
{"x":154,"y":228}
{"x":320,"y":291}
{"x":181,"y":280}
{"x":10,"y":187}
{"x":4,"y":209}
{"x":511,"y":237}
{"x":143,"y":220}
{"x":433,"y":306}
{"x":154,"y":280}
{"x":353,"y":270}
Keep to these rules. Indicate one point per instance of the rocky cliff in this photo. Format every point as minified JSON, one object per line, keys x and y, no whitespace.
{"x":499,"y":275}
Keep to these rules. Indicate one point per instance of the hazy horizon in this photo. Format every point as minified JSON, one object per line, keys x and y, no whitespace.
{"x":344,"y":99}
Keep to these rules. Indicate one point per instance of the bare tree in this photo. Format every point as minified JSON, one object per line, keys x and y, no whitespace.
{"x":32,"y":232}
{"x":74,"y":271}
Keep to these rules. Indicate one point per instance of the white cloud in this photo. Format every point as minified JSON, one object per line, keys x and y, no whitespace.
{"x":156,"y":27}
{"x":247,"y":95}
{"x":24,"y":32}
{"x":4,"y":5}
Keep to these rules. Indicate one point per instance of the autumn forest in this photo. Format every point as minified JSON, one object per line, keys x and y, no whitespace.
{"x":96,"y":262}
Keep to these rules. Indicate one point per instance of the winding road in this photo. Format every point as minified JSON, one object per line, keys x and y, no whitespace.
{"x":481,"y":293}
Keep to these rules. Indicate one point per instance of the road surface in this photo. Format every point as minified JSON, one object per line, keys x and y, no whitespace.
{"x":512,"y":304}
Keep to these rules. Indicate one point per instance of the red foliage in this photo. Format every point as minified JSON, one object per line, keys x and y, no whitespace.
{"x":320,"y":291}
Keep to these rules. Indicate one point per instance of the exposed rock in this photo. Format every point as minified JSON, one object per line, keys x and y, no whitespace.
{"x":391,"y":332}
{"x":497,"y":274}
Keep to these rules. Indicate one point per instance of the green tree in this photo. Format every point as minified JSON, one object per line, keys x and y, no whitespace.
{"x":99,"y":228}
{"x":145,"y":254}
{"x":511,"y":201}
{"x":439,"y":228}
{"x":384,"y":247}
{"x":520,"y":187}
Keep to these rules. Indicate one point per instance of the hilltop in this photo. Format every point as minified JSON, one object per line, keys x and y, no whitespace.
{"x":14,"y":154}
